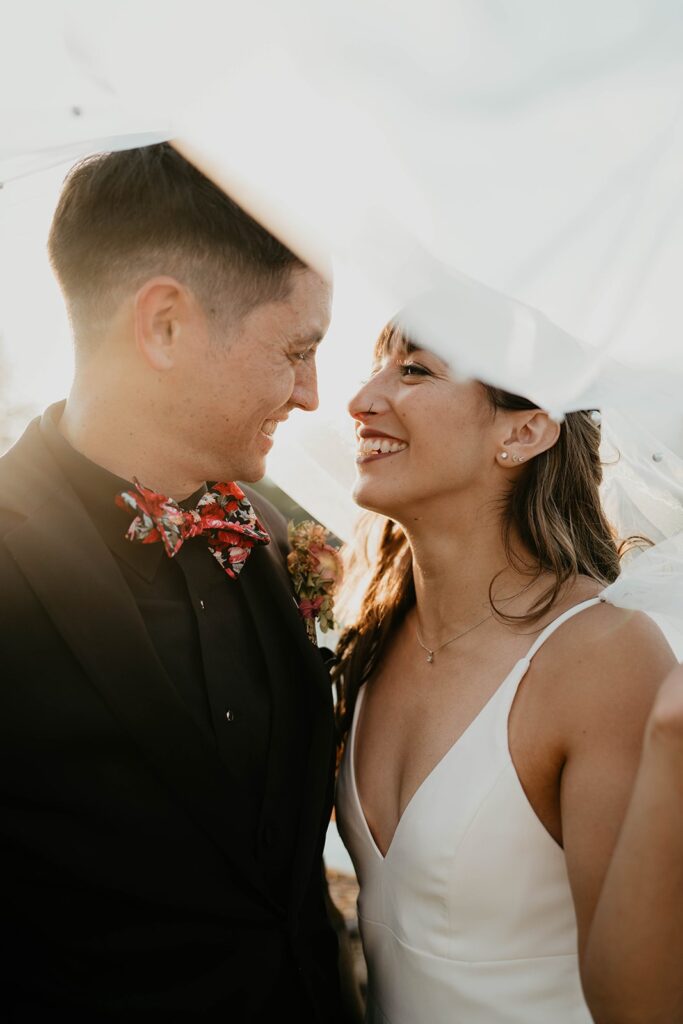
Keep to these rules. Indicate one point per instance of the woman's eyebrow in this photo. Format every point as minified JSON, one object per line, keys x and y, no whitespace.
{"x":406,"y":348}
{"x":400,"y":348}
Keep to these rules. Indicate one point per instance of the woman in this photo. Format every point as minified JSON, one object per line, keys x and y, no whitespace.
{"x":492,"y":706}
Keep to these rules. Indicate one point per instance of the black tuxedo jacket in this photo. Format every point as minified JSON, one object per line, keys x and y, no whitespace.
{"x":129,"y":891}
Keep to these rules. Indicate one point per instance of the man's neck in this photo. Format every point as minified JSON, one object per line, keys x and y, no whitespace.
{"x":126,"y":447}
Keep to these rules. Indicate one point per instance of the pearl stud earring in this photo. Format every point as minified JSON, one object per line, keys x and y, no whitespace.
{"x":503,"y":455}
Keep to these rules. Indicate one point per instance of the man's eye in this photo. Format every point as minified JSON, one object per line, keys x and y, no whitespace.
{"x":306,"y":354}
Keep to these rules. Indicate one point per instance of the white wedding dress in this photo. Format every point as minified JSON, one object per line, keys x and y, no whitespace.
{"x":469,"y":918}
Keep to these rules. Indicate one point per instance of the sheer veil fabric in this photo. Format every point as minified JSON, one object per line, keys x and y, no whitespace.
{"x":507,"y":176}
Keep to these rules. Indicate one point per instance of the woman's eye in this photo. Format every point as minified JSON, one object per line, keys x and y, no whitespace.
{"x":413,"y":370}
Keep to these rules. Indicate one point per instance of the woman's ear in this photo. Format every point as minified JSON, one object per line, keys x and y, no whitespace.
{"x":530,"y":432}
{"x":162,"y":309}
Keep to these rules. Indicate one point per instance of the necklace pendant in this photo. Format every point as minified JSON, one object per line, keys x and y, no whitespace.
{"x":430,"y":657}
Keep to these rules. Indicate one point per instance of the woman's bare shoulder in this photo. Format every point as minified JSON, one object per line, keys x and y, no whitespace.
{"x":612,"y":633}
{"x":606,"y":663}
{"x":604,"y":628}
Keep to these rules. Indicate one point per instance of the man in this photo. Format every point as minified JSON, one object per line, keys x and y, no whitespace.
{"x":167,"y":734}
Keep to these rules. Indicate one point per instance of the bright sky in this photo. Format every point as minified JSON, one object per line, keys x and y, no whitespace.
{"x":35,"y":329}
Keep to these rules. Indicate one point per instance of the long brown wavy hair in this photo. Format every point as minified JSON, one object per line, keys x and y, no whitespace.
{"x":553,"y":506}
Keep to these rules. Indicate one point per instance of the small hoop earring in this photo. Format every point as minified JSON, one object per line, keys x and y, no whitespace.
{"x":518,"y":458}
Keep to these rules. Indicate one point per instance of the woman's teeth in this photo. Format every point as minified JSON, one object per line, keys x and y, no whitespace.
{"x":379,"y":446}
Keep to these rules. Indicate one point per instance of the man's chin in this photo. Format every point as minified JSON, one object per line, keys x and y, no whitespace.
{"x":248,"y":472}
{"x":252,"y":474}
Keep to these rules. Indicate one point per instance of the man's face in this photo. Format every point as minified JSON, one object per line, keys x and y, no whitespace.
{"x":233,"y":391}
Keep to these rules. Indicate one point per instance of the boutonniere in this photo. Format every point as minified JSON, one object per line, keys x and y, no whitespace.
{"x":316,"y":569}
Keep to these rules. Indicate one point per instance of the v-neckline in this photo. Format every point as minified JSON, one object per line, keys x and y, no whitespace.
{"x":416,"y":792}
{"x":526,"y":659}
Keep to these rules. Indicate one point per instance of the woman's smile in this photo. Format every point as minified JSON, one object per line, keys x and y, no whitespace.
{"x":375,"y":444}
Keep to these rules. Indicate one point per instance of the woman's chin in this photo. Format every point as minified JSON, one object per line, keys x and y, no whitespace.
{"x":372,"y":498}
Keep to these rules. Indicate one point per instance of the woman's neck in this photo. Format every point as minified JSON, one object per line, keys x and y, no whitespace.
{"x":454,"y":569}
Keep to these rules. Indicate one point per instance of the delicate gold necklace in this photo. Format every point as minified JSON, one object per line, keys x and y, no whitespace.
{"x":431,"y":651}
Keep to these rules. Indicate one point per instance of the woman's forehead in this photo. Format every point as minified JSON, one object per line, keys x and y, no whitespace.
{"x":393,"y":342}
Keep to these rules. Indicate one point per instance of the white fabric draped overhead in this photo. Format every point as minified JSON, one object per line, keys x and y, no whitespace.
{"x":508,"y":170}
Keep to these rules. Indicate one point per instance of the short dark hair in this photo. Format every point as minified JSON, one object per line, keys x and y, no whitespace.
{"x":125,"y":216}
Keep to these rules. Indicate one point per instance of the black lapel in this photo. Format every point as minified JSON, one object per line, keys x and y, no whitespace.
{"x":266,"y":574}
{"x":76,"y":579}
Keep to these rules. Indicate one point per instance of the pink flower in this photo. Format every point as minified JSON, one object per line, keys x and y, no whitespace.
{"x":309,"y":609}
{"x":328,"y":564}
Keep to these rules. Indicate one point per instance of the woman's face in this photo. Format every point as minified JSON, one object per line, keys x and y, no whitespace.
{"x":421,"y":435}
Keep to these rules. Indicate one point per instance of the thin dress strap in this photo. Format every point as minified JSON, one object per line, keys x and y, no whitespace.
{"x":556,"y":623}
{"x":511,"y":685}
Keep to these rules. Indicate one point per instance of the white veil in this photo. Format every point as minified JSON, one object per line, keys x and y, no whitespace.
{"x":537,"y":147}
{"x":642,"y":493}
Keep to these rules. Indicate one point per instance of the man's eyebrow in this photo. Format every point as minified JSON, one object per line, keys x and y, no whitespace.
{"x":307,"y":339}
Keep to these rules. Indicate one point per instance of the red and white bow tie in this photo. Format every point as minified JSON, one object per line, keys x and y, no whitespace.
{"x":224,"y":514}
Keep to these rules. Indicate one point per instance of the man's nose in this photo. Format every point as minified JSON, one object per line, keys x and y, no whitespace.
{"x":305,"y":393}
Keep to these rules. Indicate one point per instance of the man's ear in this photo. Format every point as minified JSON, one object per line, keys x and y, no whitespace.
{"x":162,"y":310}
{"x":530,"y":432}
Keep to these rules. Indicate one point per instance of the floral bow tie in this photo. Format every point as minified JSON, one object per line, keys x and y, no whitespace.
{"x":224,"y":514}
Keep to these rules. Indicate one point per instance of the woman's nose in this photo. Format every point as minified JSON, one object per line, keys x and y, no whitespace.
{"x":363,"y":401}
